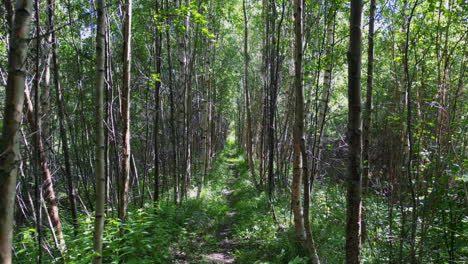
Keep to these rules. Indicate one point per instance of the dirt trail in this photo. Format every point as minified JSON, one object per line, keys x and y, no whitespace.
{"x":226,"y":243}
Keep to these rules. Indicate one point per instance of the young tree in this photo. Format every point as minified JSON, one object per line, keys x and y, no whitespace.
{"x":158,"y":50}
{"x":248,"y":133}
{"x":368,"y":107}
{"x":9,"y":147}
{"x":353,"y":222}
{"x":61,"y":116}
{"x":100,"y":140}
{"x":366,"y":122}
{"x":298,"y":129}
{"x":127,"y":57}
{"x":300,"y":156}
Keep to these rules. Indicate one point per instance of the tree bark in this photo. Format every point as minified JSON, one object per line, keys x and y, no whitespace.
{"x":9,"y":147}
{"x":157,"y":106}
{"x":61,"y":117}
{"x":186,"y":82}
{"x":248,"y":133}
{"x":366,"y":125}
{"x":47,"y":185}
{"x":298,"y":129}
{"x":172,"y":119}
{"x":353,"y":224}
{"x":126,"y":152}
{"x":409,"y":131}
{"x":37,"y":142}
{"x":100,"y":140}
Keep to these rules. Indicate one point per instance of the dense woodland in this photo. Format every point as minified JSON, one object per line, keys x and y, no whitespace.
{"x":233,"y":131}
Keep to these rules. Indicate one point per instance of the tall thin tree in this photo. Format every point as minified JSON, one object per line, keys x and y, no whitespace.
{"x":366,"y":122}
{"x":298,"y":128}
{"x":353,"y":222}
{"x":100,"y":139}
{"x":248,"y":133}
{"x":127,"y":59}
{"x":158,"y":59}
{"x":13,"y":114}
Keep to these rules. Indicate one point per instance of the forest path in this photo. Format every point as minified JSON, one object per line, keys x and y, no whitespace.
{"x":226,"y":243}
{"x":210,"y":222}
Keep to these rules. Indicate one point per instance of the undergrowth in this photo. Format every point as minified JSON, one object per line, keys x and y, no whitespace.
{"x":168,"y":233}
{"x":156,"y":233}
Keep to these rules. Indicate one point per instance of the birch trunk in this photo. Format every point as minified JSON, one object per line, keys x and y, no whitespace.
{"x":248,"y":133}
{"x":298,"y":128}
{"x":9,"y":147}
{"x":126,"y":153}
{"x":100,"y":140}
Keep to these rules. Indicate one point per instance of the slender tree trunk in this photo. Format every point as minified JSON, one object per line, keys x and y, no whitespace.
{"x":47,"y":184}
{"x":353,"y":224}
{"x":409,"y":129}
{"x":126,"y":153}
{"x":209,"y":126}
{"x":212,"y":115}
{"x":61,"y":116}
{"x":205,"y":148}
{"x":322,"y":110}
{"x":185,"y":63}
{"x":206,"y":130}
{"x":248,"y":134}
{"x":274,"y":72}
{"x":265,"y":61}
{"x":157,"y":106}
{"x":300,"y":151}
{"x":113,"y":164}
{"x":173,"y":122}
{"x":368,"y":107}
{"x":9,"y":147}
{"x":367,"y":113}
{"x":298,"y":129}
{"x":109,"y":119}
{"x":100,"y":140}
{"x":35,"y":127}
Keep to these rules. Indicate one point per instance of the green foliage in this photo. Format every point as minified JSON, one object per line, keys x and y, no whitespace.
{"x":165,"y":232}
{"x":153,"y":234}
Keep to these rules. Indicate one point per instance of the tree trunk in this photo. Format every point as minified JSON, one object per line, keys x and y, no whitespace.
{"x":61,"y":116}
{"x":9,"y":147}
{"x":37,"y":142}
{"x":298,"y":129}
{"x":100,"y":140}
{"x":47,"y":185}
{"x":321,"y":112}
{"x":157,"y":106}
{"x":248,"y":133}
{"x":127,"y":66}
{"x":409,"y":130}
{"x":367,"y":113}
{"x":353,"y":224}
{"x":185,"y":78}
{"x":172,"y":121}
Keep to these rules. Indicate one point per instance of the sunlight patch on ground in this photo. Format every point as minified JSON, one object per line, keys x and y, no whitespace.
{"x":219,"y":258}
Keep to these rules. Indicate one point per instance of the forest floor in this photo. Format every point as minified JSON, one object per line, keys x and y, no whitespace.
{"x":217,"y":244}
{"x":226,"y":243}
{"x":230,"y":223}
